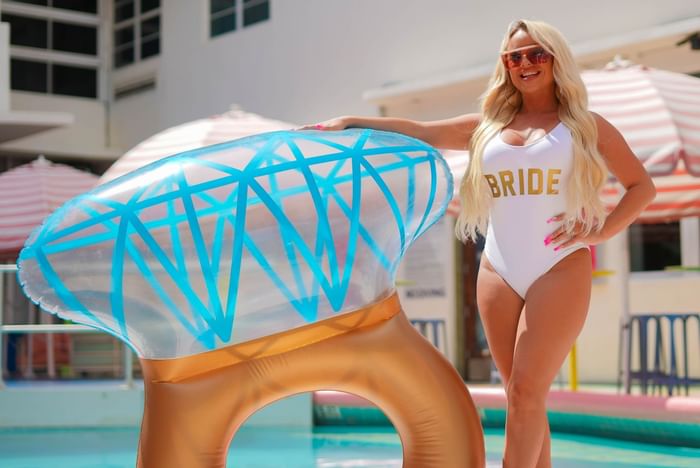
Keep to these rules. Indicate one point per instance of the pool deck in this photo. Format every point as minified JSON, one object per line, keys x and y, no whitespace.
{"x":679,"y":409}
{"x":593,"y":410}
{"x":662,"y":420}
{"x":111,"y":403}
{"x":97,"y":403}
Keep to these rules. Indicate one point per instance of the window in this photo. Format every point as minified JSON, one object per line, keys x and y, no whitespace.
{"x":150,"y":37}
{"x":149,"y":5}
{"x":228,"y":15}
{"x":84,"y":6}
{"x":74,"y":81}
{"x":223,"y":16}
{"x":123,"y":46}
{"x":34,"y":2}
{"x":74,"y":38}
{"x":123,"y":10}
{"x":66,"y":37}
{"x":654,"y":246}
{"x":26,"y":75}
{"x":53,"y":46}
{"x":27,"y":32}
{"x":136,"y":31}
{"x":255,"y":11}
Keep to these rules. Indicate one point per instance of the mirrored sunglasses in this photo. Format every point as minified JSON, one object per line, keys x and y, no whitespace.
{"x":536,"y":55}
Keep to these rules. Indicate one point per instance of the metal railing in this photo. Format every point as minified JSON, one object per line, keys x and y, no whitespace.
{"x":50,"y":329}
{"x":434,"y":330}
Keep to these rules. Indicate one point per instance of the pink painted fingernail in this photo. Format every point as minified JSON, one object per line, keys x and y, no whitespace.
{"x":547,"y":240}
{"x":557,"y":248}
{"x":550,"y":220}
{"x":318,"y":126}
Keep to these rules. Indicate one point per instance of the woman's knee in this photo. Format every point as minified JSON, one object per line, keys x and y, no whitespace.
{"x":525,"y":394}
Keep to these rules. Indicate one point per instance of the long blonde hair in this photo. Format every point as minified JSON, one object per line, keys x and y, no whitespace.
{"x":501,"y":102}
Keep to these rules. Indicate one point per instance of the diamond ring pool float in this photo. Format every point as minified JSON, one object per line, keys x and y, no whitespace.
{"x":249,"y":271}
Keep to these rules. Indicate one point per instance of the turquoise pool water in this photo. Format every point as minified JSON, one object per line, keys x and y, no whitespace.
{"x":325,"y":447}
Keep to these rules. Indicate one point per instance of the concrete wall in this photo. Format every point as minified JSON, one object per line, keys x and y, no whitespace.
{"x":4,"y":67}
{"x":87,"y":138}
{"x":427,"y":287}
{"x":314,"y":59}
{"x":649,"y":292}
{"x":652,"y":292}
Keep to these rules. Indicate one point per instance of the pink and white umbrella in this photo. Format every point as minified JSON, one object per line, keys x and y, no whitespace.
{"x":192,"y":135}
{"x":658,"y":113}
{"x":29,"y":193}
{"x":457,"y":162}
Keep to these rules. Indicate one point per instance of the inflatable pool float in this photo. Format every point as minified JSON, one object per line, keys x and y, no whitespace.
{"x":253,"y":270}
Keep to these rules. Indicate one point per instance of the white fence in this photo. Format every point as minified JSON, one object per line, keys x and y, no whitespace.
{"x":49,"y":330}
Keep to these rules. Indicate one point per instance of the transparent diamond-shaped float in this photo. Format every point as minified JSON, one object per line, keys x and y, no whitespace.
{"x":237,"y":241}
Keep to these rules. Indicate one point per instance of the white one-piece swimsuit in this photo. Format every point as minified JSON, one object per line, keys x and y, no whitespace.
{"x":528,"y":186}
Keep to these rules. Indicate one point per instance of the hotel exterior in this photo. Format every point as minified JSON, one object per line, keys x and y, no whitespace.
{"x":84,"y":81}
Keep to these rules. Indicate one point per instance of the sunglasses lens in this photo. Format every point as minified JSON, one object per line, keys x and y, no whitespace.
{"x":513,"y":60}
{"x":536,"y":56}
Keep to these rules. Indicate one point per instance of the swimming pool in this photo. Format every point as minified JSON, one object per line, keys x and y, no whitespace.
{"x":324,"y":447}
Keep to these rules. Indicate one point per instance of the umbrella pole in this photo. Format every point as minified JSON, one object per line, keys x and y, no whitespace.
{"x":2,"y":335}
{"x":617,"y":254}
{"x":623,"y":269}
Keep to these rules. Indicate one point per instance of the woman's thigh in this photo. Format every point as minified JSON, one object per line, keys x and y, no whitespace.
{"x":499,"y":309}
{"x":555,"y":310}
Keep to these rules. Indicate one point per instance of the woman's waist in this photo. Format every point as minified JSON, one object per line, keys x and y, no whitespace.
{"x":524,"y":241}
{"x":523,"y":230}
{"x":528,"y":215}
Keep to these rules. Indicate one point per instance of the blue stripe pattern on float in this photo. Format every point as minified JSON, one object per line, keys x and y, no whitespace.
{"x":316,"y":270}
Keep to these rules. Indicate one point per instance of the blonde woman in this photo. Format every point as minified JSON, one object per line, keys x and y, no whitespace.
{"x":538,"y":161}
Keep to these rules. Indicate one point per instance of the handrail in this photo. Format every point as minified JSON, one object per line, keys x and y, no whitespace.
{"x":52,"y":328}
{"x":47,"y":328}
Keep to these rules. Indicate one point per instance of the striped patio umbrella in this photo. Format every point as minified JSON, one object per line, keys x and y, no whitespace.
{"x":29,"y":193}
{"x":231,"y":125}
{"x":658,"y":113}
{"x":457,"y":161}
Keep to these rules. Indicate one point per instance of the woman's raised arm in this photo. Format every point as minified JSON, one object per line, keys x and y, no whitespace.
{"x":453,"y":133}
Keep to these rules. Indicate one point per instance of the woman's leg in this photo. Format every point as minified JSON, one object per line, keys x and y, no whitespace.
{"x":499,"y":309}
{"x":555,"y":310}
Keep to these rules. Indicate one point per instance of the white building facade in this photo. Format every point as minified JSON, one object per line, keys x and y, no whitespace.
{"x":123,"y":70}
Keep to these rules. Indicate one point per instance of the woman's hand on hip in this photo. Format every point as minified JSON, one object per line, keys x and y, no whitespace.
{"x":562,"y":238}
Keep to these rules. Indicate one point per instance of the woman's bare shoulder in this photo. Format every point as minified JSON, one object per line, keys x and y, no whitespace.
{"x":607,"y":132}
